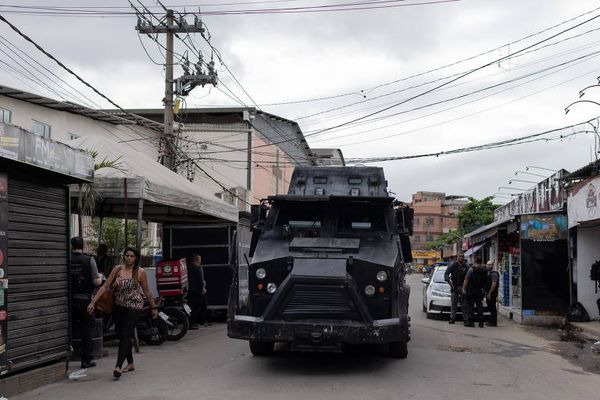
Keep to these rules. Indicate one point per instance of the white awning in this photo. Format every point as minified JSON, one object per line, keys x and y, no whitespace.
{"x":472,"y":250}
{"x":152,"y":182}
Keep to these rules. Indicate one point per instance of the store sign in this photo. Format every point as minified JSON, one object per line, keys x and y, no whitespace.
{"x":3,"y":270}
{"x":584,"y":202}
{"x":20,"y":145}
{"x":548,"y":195}
{"x":543,"y":227}
{"x":429,"y":254}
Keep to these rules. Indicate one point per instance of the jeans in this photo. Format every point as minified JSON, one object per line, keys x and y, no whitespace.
{"x":198,"y":306}
{"x":493,"y":311}
{"x":125,"y":322}
{"x":455,"y":299}
{"x":84,"y":320}
{"x":471,"y":302}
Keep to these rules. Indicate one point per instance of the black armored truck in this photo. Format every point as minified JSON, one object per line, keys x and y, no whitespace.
{"x":326,"y":266}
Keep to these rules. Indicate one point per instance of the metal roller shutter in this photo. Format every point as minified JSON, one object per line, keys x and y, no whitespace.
{"x":38,"y":292}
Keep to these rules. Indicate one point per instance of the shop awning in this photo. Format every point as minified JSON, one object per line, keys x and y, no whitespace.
{"x":21,"y":146}
{"x":472,"y":250}
{"x":487,"y":231}
{"x":167,"y":196}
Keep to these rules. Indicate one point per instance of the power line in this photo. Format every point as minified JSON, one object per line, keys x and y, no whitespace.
{"x":501,"y":143}
{"x":456,"y":78}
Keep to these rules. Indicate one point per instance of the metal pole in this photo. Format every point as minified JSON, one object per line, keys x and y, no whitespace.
{"x":100,"y":230}
{"x":126,"y":200}
{"x":169,"y":160}
{"x":249,"y":163}
{"x":138,"y":237}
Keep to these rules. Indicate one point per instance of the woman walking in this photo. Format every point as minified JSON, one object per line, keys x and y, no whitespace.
{"x":127,"y":281}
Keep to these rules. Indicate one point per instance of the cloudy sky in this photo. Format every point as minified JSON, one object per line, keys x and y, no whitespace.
{"x":362,"y":80}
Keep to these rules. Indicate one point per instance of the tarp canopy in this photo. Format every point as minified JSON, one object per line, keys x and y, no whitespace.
{"x":166,"y":195}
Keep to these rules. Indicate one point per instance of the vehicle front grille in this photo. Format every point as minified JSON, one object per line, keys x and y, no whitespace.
{"x":319,"y":302}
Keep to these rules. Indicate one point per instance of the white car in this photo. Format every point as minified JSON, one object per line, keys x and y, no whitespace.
{"x":436,"y":293}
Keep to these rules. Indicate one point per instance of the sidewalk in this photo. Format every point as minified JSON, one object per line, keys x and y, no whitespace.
{"x":587,"y":330}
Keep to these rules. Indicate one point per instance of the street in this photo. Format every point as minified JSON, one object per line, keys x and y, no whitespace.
{"x":445,"y":362}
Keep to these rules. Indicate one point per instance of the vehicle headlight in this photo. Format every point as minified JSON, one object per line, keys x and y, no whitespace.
{"x":440,"y":290}
{"x":369,"y":290}
{"x":271,"y":287}
{"x":261,"y":273}
{"x":382,"y":276}
{"x":167,"y":269}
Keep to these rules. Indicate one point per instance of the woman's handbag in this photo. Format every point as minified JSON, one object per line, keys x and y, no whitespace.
{"x":106,"y":301}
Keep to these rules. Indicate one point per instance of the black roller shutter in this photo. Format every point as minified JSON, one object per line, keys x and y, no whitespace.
{"x":38,"y":292}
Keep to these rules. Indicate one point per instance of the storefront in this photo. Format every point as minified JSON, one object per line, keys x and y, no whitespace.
{"x":584,"y":225}
{"x":528,"y":244}
{"x":34,"y":249}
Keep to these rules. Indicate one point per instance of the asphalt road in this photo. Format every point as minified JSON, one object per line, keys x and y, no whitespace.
{"x":444,"y":362}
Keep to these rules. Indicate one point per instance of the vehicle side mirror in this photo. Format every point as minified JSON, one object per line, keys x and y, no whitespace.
{"x":258,"y":212}
{"x":425,"y":281}
{"x":404,"y":219}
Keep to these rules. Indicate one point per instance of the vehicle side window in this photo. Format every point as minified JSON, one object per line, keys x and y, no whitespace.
{"x":361,"y":220}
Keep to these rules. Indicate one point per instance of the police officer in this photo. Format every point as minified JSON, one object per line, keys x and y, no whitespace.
{"x":455,"y":276}
{"x":492,"y":293}
{"x":473,"y":291}
{"x":84,"y":278}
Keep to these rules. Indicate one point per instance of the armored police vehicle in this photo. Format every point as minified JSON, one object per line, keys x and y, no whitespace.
{"x":326,"y":266}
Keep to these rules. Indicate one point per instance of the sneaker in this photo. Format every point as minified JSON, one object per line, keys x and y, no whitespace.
{"x":451,"y":321}
{"x":88,"y":364}
{"x":194,"y":327}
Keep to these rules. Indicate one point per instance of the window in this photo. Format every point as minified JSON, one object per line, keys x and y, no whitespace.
{"x":416,"y":238}
{"x":5,"y":116}
{"x":416,"y":221}
{"x":429,"y":221}
{"x":72,"y":136}
{"x":41,"y":129}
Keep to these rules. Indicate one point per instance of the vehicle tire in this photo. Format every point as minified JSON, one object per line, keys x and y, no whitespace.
{"x":429,"y":315}
{"x":261,"y":348}
{"x":179,"y":323}
{"x":155,"y":333}
{"x":399,"y":349}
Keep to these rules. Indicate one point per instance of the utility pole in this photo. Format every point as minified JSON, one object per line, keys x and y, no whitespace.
{"x":184,"y":84}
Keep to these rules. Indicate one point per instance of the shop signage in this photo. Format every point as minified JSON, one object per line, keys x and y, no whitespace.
{"x":548,"y":195}
{"x":584,"y":202}
{"x":3,"y":269}
{"x":429,"y":254}
{"x":20,"y":145}
{"x":543,"y":227}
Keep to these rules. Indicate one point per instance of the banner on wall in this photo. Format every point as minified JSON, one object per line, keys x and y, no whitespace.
{"x":3,"y":270}
{"x":544,"y":227}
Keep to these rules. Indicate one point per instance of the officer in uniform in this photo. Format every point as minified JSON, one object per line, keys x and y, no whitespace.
{"x":473,"y":291}
{"x":455,"y":276}
{"x":84,"y":278}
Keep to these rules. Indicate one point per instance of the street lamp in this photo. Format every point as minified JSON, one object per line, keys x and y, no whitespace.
{"x":529,"y":173}
{"x":520,"y":180}
{"x":580,"y":101}
{"x":533,"y":166}
{"x":512,"y":188}
{"x":582,"y":91}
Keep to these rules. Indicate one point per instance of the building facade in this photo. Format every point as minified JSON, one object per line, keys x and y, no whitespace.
{"x":435,"y":214}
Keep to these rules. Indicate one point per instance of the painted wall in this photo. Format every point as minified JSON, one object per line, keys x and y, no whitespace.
{"x":63,"y":124}
{"x":588,"y":252}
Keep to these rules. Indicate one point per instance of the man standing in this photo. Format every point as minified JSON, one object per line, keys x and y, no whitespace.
{"x":473,"y":291}
{"x":492,"y":293}
{"x":197,"y":291}
{"x":455,"y":276}
{"x":84,"y":278}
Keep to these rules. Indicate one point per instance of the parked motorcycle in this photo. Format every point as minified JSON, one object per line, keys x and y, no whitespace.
{"x":178,"y":313}
{"x":153,"y":331}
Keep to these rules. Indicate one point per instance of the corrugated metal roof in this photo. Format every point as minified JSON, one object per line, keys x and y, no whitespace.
{"x":67,"y":106}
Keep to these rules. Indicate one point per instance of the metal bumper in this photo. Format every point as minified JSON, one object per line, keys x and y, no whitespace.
{"x":318,"y":332}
